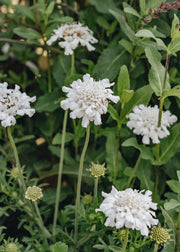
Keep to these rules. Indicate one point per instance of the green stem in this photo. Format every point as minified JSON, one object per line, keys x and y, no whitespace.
{"x":21,"y":178}
{"x":58,"y":191}
{"x":117,"y":150}
{"x":156,"y":183}
{"x":78,"y":192}
{"x":177,"y":233}
{"x":3,"y":151}
{"x":95,"y":188}
{"x":134,"y":170}
{"x":125,"y":241}
{"x":75,"y":137}
{"x":49,"y":74}
{"x":72,"y":64}
{"x":41,"y":224}
{"x":155,"y":247}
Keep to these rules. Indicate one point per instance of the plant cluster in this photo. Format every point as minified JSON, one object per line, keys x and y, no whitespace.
{"x":89,"y":125}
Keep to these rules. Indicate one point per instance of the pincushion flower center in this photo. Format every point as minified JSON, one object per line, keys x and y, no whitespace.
{"x":130,"y":201}
{"x":91,"y":96}
{"x":151,"y":117}
{"x":7,"y":102}
{"x":69,"y":31}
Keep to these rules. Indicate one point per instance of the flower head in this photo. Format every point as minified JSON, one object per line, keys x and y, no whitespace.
{"x":159,"y":235}
{"x":12,"y":103}
{"x":73,"y":34}
{"x":33,"y":193}
{"x":88,"y":99}
{"x":11,"y":247}
{"x":87,"y":199}
{"x":144,"y":120}
{"x":15,"y":172}
{"x":97,"y":170}
{"x":129,"y":208}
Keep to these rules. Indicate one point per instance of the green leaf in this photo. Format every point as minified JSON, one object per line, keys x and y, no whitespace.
{"x":47,"y":102}
{"x":103,"y":6}
{"x":144,"y":174}
{"x":175,"y":91}
{"x":174,"y":185}
{"x":141,"y":96}
{"x":126,"y":95}
{"x":156,"y":73}
{"x":169,"y":145}
{"x":59,"y":247}
{"x":123,"y":80}
{"x":178,"y":174}
{"x":175,"y":27}
{"x":109,"y":63}
{"x":124,"y":26}
{"x":25,"y":11}
{"x":58,"y":138}
{"x":175,"y":45}
{"x":132,"y":11}
{"x":171,"y":204}
{"x":27,"y":33}
{"x":114,"y":114}
{"x":127,"y":45}
{"x":50,"y":8}
{"x":142,"y":5}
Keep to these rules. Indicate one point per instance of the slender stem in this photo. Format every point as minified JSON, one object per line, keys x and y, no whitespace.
{"x":117,"y":150}
{"x":72,"y":64}
{"x":155,"y":247}
{"x":134,"y":170}
{"x":79,"y":182}
{"x":21,"y":179}
{"x":49,"y":73}
{"x":95,"y":188}
{"x":3,"y":151}
{"x":156,"y":183}
{"x":58,"y":191}
{"x":75,"y":137}
{"x":125,"y":241}
{"x":41,"y":224}
{"x":177,"y":233}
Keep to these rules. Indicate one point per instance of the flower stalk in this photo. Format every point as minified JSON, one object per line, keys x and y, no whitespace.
{"x":58,"y":191}
{"x":125,"y":241}
{"x":78,"y":192}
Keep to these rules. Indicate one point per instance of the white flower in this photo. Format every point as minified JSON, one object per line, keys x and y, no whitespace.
{"x":129,"y":208}
{"x":88,"y":99}
{"x":12,"y":103}
{"x":73,"y":34}
{"x":144,"y":120}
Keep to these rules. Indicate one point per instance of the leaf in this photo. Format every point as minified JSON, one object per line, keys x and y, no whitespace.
{"x":50,"y":8}
{"x":174,"y":185}
{"x":123,"y":80}
{"x":58,"y":138}
{"x":169,"y":145}
{"x":142,"y":4}
{"x":141,"y":96}
{"x":59,"y":247}
{"x":175,"y":45}
{"x":171,"y":204}
{"x":124,"y":26}
{"x":131,"y":11}
{"x":25,"y":11}
{"x":114,"y":114}
{"x":126,"y":95}
{"x":109,"y":63}
{"x":175,"y":27}
{"x":103,"y":6}
{"x":178,"y":174}
{"x":175,"y":91}
{"x":156,"y":73}
{"x":27,"y":33}
{"x":144,"y":174}
{"x":127,"y":45}
{"x":47,"y":102}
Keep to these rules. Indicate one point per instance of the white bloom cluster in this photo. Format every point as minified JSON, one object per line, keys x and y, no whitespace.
{"x":12,"y":103}
{"x":129,"y":208}
{"x":144,"y":120}
{"x":88,"y":99}
{"x":73,"y":34}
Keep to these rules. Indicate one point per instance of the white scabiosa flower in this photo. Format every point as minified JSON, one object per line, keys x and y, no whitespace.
{"x":12,"y":103}
{"x":144,"y":120}
{"x":88,"y":99}
{"x":129,"y":208}
{"x":73,"y":34}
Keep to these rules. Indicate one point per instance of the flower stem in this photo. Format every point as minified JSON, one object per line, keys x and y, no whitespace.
{"x":49,"y":74}
{"x":95,"y":188}
{"x":134,"y":170}
{"x":58,"y":191}
{"x":117,"y":150}
{"x":125,"y":241}
{"x":41,"y":224}
{"x":155,"y":247}
{"x":177,"y":233}
{"x":72,"y":64}
{"x":21,"y":179}
{"x":79,"y":182}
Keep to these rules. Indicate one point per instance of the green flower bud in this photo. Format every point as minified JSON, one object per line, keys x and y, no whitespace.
{"x":97,"y":170}
{"x":87,"y":199}
{"x":11,"y":247}
{"x":159,"y":234}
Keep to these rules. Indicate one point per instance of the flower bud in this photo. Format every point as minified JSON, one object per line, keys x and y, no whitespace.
{"x":11,"y":247}
{"x":159,"y":234}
